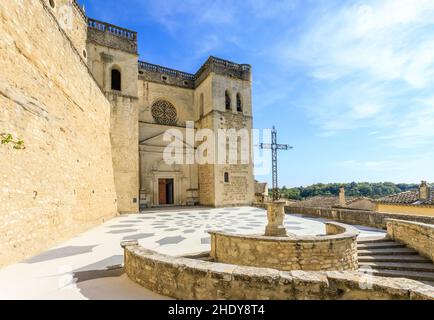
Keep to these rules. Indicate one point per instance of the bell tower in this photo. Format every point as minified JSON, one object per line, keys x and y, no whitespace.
{"x":223,"y":98}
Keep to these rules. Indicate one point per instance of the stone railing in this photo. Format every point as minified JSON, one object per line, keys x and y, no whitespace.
{"x":165,"y":71}
{"x":115,"y":30}
{"x":223,"y":67}
{"x":357,"y":217}
{"x":188,"y":279}
{"x":168,"y":76}
{"x":335,"y":251}
{"x":419,"y":236}
{"x":229,"y":64}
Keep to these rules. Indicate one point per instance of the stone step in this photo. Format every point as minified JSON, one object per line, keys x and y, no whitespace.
{"x":379,"y":245}
{"x":373,"y":239}
{"x":395,"y":258}
{"x":401,"y":266}
{"x":386,"y":252}
{"x":420,"y":276}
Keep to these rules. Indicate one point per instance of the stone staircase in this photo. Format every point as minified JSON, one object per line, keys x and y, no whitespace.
{"x":386,"y":258}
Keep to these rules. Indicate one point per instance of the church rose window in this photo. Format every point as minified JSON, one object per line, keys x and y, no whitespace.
{"x":164,"y":112}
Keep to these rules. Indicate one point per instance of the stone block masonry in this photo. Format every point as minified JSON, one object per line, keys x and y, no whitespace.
{"x":419,"y":236}
{"x":62,"y":183}
{"x":335,"y":252}
{"x":357,"y":217}
{"x":188,"y":279}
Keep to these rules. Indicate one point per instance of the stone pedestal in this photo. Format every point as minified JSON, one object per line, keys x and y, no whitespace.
{"x":276,"y":216}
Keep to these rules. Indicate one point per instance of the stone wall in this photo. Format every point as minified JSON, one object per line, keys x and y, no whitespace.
{"x":62,"y":183}
{"x":124,"y":135}
{"x":111,"y":36}
{"x":336,"y":251}
{"x":357,"y":217}
{"x":124,"y":116}
{"x":418,"y":236}
{"x":72,"y":20}
{"x":406,"y":209}
{"x":188,"y":279}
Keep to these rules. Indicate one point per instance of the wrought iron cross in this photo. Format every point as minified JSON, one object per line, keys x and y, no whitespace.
{"x":274,"y":146}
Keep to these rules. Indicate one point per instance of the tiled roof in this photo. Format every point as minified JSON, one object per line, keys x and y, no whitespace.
{"x":408,"y":197}
{"x":357,"y":199}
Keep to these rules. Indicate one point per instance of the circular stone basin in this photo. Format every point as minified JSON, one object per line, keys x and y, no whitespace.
{"x":335,"y":251}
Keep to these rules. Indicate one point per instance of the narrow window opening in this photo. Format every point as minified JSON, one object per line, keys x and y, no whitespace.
{"x":227,"y":100}
{"x":239,"y":103}
{"x":201,"y":105}
{"x":226,"y":177}
{"x":116,"y":80}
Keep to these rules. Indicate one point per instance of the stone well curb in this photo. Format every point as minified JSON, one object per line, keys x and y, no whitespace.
{"x":335,"y":251}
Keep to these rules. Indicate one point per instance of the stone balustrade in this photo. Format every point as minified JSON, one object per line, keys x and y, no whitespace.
{"x":166,"y":71}
{"x":335,"y":251}
{"x":188,"y":279}
{"x":108,"y":35}
{"x":117,"y":31}
{"x":419,"y":236}
{"x":184,"y":79}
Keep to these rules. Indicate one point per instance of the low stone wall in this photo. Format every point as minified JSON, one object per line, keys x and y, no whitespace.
{"x":336,"y":251}
{"x":357,"y":217}
{"x":419,"y":236}
{"x":188,"y":279}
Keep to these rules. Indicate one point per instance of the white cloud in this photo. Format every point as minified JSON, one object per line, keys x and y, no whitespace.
{"x":374,"y":61}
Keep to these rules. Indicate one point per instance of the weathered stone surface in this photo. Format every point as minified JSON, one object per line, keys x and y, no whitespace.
{"x":62,"y":183}
{"x":336,"y":251}
{"x":419,"y":236}
{"x":183,"y":278}
{"x":275,"y":215}
{"x":357,"y":217}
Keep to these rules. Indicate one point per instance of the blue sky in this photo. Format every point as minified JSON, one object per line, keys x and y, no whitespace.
{"x":348,"y":83}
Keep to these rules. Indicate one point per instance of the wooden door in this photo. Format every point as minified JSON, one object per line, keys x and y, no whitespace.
{"x":162,"y":192}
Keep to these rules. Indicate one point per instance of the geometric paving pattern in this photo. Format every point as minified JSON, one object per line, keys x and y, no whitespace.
{"x":76,"y":269}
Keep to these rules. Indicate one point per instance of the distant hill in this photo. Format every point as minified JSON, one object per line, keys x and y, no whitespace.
{"x":354,"y":189}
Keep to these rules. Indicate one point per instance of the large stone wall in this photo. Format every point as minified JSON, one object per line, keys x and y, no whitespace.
{"x":357,"y":217}
{"x":124,"y":135}
{"x":419,"y":236}
{"x":73,"y":22}
{"x":189,"y":279}
{"x":124,"y":117}
{"x":336,"y":252}
{"x":62,"y":183}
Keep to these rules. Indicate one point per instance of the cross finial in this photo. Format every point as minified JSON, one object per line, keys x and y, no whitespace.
{"x":274,"y":147}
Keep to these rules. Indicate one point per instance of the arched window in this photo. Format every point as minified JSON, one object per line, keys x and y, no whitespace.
{"x":116,"y":80}
{"x":239,"y":103}
{"x":201,"y":106}
{"x":227,"y":100}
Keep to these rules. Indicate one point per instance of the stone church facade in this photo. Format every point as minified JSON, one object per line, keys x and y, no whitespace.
{"x":147,"y":100}
{"x":93,"y":117}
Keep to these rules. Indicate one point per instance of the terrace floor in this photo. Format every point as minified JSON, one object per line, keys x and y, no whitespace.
{"x":87,"y":266}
